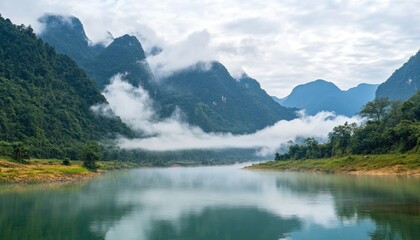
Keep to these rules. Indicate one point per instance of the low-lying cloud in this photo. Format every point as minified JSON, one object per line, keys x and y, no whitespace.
{"x":134,"y":106}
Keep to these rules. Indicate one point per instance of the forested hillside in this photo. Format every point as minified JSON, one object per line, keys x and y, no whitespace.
{"x":45,"y":98}
{"x":124,"y":55}
{"x":215,"y":101}
{"x":403,"y":83}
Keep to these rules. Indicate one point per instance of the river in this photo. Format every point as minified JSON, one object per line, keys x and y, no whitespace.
{"x":214,"y":203}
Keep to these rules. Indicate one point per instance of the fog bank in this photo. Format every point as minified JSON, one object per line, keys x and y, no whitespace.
{"x":135,"y":108}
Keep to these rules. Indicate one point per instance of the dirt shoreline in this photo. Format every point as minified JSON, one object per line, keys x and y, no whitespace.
{"x":43,"y":171}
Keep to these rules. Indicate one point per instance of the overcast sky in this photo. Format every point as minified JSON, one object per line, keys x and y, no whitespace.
{"x":279,"y":43}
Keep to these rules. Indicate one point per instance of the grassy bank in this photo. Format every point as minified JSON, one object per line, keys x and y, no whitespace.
{"x":49,"y":171}
{"x":386,"y":164}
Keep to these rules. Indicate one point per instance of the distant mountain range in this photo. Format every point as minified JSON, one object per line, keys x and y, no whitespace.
{"x":210,"y":98}
{"x":403,"y":83}
{"x":321,"y":95}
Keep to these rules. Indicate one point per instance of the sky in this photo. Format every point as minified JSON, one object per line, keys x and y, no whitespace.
{"x":279,"y":43}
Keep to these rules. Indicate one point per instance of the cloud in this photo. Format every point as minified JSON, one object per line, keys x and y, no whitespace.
{"x":253,"y":26}
{"x":279,"y":43}
{"x":195,"y":48}
{"x":134,"y":106}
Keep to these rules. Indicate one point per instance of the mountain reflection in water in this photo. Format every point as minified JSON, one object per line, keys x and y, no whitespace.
{"x":223,"y":202}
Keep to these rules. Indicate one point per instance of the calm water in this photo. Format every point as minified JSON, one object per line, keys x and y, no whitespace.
{"x":214,"y":203}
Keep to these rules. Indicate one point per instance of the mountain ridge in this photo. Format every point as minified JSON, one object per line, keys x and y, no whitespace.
{"x":321,"y":95}
{"x":230,"y":100}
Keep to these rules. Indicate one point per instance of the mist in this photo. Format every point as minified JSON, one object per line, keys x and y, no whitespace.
{"x":194,"y":48}
{"x":135,"y":108}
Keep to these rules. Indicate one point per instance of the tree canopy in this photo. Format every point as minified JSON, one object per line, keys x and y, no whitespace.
{"x":375,"y":109}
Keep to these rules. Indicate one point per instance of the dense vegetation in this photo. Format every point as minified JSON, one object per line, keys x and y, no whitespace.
{"x":185,"y":157}
{"x":124,"y":55}
{"x":45,"y":100}
{"x":392,"y":128}
{"x":403,"y":83}
{"x":211,"y":99}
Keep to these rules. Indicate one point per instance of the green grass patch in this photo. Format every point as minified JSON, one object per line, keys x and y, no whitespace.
{"x":73,"y":170}
{"x":51,"y":170}
{"x":401,"y":163}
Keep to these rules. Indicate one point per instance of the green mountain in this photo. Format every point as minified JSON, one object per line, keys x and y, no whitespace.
{"x":321,"y":95}
{"x":124,"y":55}
{"x":45,"y":98}
{"x":215,"y":101}
{"x":210,"y":99}
{"x":404,"y":82}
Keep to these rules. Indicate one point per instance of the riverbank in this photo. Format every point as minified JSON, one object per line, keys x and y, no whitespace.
{"x":386,"y":164}
{"x":53,"y":171}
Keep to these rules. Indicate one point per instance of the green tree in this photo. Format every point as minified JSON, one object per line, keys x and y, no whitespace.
{"x":368,"y":139}
{"x":91,"y":153}
{"x":19,"y":152}
{"x":340,"y":138}
{"x":312,"y":148}
{"x":375,"y":109}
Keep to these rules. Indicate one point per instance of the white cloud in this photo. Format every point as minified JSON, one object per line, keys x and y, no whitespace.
{"x":195,"y":48}
{"x":135,"y":108}
{"x":346,"y":42}
{"x":255,"y":25}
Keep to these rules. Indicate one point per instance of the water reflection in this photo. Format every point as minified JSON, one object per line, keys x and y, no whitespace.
{"x":392,"y":203}
{"x":215,"y":203}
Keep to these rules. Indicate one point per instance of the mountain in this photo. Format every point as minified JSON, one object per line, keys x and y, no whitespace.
{"x":404,"y":82}
{"x":215,"y":101}
{"x":278,"y":100}
{"x":124,"y":55}
{"x":59,"y":30}
{"x":321,"y":95}
{"x":209,"y":97}
{"x":45,"y":98}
